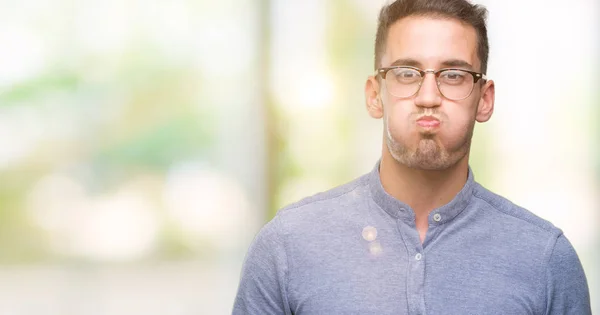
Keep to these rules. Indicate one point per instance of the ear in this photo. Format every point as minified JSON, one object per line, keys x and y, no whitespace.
{"x":374,"y":105}
{"x":485,"y":108}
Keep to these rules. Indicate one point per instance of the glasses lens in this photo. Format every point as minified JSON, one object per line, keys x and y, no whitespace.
{"x":403,"y":82}
{"x":455,"y":84}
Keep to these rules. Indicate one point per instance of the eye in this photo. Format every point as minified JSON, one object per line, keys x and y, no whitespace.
{"x":405,"y":75}
{"x":453,"y":77}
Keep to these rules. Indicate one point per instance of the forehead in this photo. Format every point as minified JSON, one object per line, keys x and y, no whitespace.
{"x":431,"y":41}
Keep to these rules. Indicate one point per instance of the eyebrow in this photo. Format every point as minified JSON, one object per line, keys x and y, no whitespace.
{"x":406,"y":62}
{"x":450,"y":63}
{"x":457,"y":63}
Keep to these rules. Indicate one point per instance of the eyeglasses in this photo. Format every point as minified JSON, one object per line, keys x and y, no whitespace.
{"x":453,"y":84}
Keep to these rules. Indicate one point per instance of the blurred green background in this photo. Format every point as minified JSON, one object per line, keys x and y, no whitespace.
{"x":143,"y":144}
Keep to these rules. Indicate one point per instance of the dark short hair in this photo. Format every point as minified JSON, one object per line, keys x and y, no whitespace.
{"x":461,"y":10}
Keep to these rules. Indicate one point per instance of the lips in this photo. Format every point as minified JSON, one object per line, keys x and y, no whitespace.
{"x":428,"y":122}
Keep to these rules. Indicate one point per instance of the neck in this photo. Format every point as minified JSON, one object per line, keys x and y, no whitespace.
{"x":422,"y":190}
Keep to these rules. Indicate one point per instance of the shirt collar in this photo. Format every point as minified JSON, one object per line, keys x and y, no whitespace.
{"x":399,"y":209}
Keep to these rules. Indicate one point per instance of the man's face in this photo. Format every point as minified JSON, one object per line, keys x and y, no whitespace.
{"x":428,"y":131}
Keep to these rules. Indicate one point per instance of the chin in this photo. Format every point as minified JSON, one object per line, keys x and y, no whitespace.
{"x":432,"y":166}
{"x":428,"y":132}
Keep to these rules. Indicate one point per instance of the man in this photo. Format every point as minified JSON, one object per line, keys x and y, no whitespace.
{"x":417,"y":235}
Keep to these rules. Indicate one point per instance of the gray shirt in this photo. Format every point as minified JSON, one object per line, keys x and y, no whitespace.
{"x":355,"y":250}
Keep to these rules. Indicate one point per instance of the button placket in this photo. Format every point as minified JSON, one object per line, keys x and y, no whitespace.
{"x":416,"y":267}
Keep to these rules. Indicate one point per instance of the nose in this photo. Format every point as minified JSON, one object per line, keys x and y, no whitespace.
{"x":429,"y":94}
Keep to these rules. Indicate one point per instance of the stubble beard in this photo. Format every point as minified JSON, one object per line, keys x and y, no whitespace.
{"x":429,"y":154}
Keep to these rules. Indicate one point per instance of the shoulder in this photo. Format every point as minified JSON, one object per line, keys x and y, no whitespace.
{"x":326,"y":212}
{"x":340,"y":198}
{"x":547,"y":252}
{"x":517,"y":216}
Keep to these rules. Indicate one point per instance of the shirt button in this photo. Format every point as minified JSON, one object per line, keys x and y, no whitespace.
{"x":418,"y":256}
{"x":437,"y":217}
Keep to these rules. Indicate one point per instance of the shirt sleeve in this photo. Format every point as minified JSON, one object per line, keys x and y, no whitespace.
{"x":262,"y":288}
{"x":567,"y":288}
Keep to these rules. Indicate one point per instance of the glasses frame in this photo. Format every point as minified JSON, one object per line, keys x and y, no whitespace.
{"x":476,"y":77}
